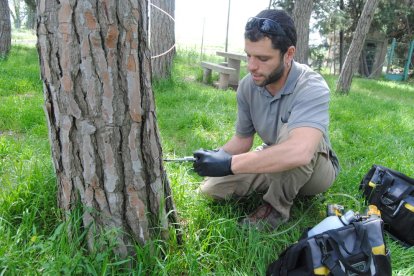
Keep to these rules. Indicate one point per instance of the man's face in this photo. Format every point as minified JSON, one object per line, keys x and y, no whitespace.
{"x":263,"y":62}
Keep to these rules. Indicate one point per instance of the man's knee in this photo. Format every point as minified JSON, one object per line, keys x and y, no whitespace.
{"x":211,"y":188}
{"x":206,"y":190}
{"x":322,"y":177}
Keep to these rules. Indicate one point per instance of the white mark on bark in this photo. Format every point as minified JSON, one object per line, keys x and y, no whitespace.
{"x":133,"y":88}
{"x":109,"y":162}
{"x":133,"y":144}
{"x":66,"y":192}
{"x":115,"y":201}
{"x":88,"y":152}
{"x":66,"y":125}
{"x":136,"y":211}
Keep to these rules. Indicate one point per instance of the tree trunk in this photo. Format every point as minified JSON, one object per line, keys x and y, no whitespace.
{"x":357,"y":44}
{"x":301,"y":16}
{"x":341,"y":49}
{"x":95,"y":66}
{"x":5,"y":28}
{"x":341,"y":39}
{"x":162,"y":37}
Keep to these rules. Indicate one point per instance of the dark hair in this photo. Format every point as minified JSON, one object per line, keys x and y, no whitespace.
{"x":281,"y":42}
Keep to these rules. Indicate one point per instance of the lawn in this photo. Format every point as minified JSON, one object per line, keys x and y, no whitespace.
{"x":372,"y":125}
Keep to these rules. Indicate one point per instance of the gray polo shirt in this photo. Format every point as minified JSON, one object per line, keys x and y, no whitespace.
{"x":302,"y":102}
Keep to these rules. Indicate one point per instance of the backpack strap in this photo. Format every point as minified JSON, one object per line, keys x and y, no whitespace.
{"x":328,"y":259}
{"x":361,"y":245}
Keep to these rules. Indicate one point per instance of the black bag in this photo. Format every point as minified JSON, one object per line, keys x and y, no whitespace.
{"x":355,"y":249}
{"x":393,"y":194}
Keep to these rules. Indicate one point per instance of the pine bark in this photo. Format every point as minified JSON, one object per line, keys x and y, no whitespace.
{"x":162,"y":37}
{"x":358,"y":40}
{"x":96,"y":71}
{"x":5,"y":28}
{"x":301,"y":16}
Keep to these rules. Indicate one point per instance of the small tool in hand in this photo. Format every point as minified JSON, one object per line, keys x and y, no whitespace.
{"x":184,"y":159}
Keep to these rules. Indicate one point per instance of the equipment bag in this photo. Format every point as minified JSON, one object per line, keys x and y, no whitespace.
{"x":355,"y":249}
{"x":393,"y":194}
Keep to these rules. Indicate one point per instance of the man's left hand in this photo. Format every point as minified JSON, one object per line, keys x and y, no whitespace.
{"x":212,"y":162}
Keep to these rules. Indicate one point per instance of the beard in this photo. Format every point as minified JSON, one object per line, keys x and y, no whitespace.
{"x":274,"y":76}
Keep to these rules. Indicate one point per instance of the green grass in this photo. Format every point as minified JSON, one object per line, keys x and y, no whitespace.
{"x":373,"y":124}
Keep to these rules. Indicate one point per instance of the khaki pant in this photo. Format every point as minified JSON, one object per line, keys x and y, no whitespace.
{"x":280,"y":189}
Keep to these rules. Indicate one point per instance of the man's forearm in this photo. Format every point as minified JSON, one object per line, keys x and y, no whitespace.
{"x":297,"y":150}
{"x":275,"y":158}
{"x":238,"y":145}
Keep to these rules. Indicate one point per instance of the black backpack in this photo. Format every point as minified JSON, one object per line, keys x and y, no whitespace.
{"x":355,"y":249}
{"x":393,"y":194}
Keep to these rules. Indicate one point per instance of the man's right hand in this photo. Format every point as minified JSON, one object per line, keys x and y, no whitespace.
{"x":212,"y":162}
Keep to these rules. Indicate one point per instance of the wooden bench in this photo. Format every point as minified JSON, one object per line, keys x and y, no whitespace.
{"x":233,"y":61}
{"x":224,"y":72}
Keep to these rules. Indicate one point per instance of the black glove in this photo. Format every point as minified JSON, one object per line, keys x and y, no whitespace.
{"x":212,"y":162}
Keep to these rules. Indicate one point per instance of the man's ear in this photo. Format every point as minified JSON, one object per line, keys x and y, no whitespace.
{"x":290,"y":53}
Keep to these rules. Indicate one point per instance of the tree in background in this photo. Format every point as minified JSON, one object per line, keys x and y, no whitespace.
{"x":23,"y":13}
{"x":17,"y":13}
{"x":301,"y":12}
{"x":399,"y":19}
{"x":96,"y":70}
{"x":331,"y":20}
{"x":30,"y":14}
{"x":287,"y":5}
{"x":395,"y":19}
{"x":301,"y":16}
{"x":358,"y":40}
{"x":162,"y":37}
{"x":5,"y":28}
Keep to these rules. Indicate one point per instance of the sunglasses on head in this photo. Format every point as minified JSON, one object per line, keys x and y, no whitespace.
{"x":265,"y":25}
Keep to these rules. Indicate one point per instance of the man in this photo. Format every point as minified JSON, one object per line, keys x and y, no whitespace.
{"x":286,"y":104}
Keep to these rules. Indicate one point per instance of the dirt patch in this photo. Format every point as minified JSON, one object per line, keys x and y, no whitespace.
{"x":6,"y":133}
{"x":190,"y":79}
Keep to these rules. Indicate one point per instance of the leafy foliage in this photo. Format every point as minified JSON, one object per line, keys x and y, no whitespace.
{"x":393,"y":18}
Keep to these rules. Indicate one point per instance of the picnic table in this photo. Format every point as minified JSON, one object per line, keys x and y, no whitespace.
{"x":224,"y":72}
{"x":233,"y":61}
